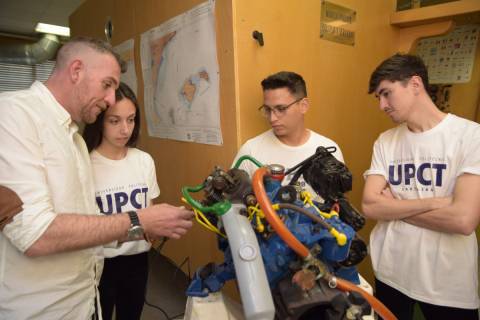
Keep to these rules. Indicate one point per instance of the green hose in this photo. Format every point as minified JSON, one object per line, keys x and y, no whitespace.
{"x":218,"y":208}
{"x":246,"y":157}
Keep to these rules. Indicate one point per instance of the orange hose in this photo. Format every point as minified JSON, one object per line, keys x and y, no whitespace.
{"x":272,"y":217}
{"x":376,"y":304}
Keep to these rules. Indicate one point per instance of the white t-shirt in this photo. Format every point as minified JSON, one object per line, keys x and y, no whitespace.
{"x":434,"y":267}
{"x":125,"y":185}
{"x":267,"y":149}
{"x":45,"y":161}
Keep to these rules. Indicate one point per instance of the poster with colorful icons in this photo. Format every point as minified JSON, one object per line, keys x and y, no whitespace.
{"x":450,"y":58}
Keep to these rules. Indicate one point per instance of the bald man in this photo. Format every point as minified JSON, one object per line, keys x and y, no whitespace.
{"x":51,"y":233}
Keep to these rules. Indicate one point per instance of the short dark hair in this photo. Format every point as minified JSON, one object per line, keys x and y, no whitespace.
{"x":93,"y":43}
{"x":93,"y":132}
{"x":286,"y":79}
{"x":399,"y":67}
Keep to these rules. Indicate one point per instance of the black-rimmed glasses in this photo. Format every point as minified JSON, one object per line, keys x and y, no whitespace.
{"x":278,"y":111}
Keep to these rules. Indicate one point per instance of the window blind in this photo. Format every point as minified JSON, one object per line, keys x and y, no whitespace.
{"x":19,"y":76}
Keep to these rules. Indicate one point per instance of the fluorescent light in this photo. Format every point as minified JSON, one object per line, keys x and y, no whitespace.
{"x":52,"y":29}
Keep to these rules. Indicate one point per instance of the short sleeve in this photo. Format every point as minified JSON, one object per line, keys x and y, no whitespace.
{"x":471,"y":157}
{"x":377,"y":166}
{"x":153,"y":187}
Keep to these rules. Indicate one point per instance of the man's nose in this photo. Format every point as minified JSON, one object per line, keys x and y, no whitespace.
{"x":383,"y":103}
{"x":110,"y":97}
{"x":272,"y":116}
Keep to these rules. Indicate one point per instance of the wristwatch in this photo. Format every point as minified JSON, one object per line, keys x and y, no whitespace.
{"x":135,"y":232}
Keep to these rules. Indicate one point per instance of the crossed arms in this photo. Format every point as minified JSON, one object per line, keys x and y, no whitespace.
{"x":457,"y":214}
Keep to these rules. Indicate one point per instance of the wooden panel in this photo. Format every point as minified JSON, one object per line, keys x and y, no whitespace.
{"x":336,"y":75}
{"x":123,"y":18}
{"x":181,"y":163}
{"x":435,"y":13}
{"x":408,"y":37}
{"x":89,"y":19}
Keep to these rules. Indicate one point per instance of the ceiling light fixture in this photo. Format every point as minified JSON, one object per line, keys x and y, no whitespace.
{"x":52,"y":29}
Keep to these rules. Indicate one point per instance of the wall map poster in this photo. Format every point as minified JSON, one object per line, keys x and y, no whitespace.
{"x":181,"y":76}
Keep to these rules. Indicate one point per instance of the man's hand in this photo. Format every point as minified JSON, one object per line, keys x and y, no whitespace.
{"x":461,"y":215}
{"x":387,"y":193}
{"x":164,"y":220}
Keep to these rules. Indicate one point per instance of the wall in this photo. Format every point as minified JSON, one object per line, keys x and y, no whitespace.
{"x":336,"y":75}
{"x":465,"y":97}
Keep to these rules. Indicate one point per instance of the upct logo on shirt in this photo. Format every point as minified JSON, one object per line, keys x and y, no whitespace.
{"x":426,"y":174}
{"x":115,"y":201}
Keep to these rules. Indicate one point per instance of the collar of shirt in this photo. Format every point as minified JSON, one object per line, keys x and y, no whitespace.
{"x":57,"y":111}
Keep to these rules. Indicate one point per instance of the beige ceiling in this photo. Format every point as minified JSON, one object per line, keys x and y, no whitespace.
{"x":19,"y":17}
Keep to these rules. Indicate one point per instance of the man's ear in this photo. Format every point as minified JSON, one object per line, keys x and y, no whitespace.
{"x":76,"y":70}
{"x":304,"y":105}
{"x":416,"y":82}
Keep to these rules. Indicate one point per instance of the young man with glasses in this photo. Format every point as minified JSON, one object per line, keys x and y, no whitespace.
{"x":288,"y":142}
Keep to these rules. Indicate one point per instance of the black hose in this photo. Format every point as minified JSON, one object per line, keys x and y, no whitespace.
{"x":307,"y":213}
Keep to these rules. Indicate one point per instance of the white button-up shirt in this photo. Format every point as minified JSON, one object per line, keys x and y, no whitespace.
{"x":45,"y":161}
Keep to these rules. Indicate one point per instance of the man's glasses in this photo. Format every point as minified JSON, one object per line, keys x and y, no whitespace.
{"x":278,"y":111}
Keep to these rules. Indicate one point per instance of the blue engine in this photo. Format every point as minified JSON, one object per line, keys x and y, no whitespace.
{"x":327,"y":229}
{"x":277,"y":256}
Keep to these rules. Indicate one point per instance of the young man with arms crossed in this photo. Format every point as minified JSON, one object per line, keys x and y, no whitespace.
{"x":423,"y":189}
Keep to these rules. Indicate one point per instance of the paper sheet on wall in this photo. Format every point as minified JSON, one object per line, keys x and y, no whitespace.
{"x":450,"y":57}
{"x":180,"y":73}
{"x":126,"y":52}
